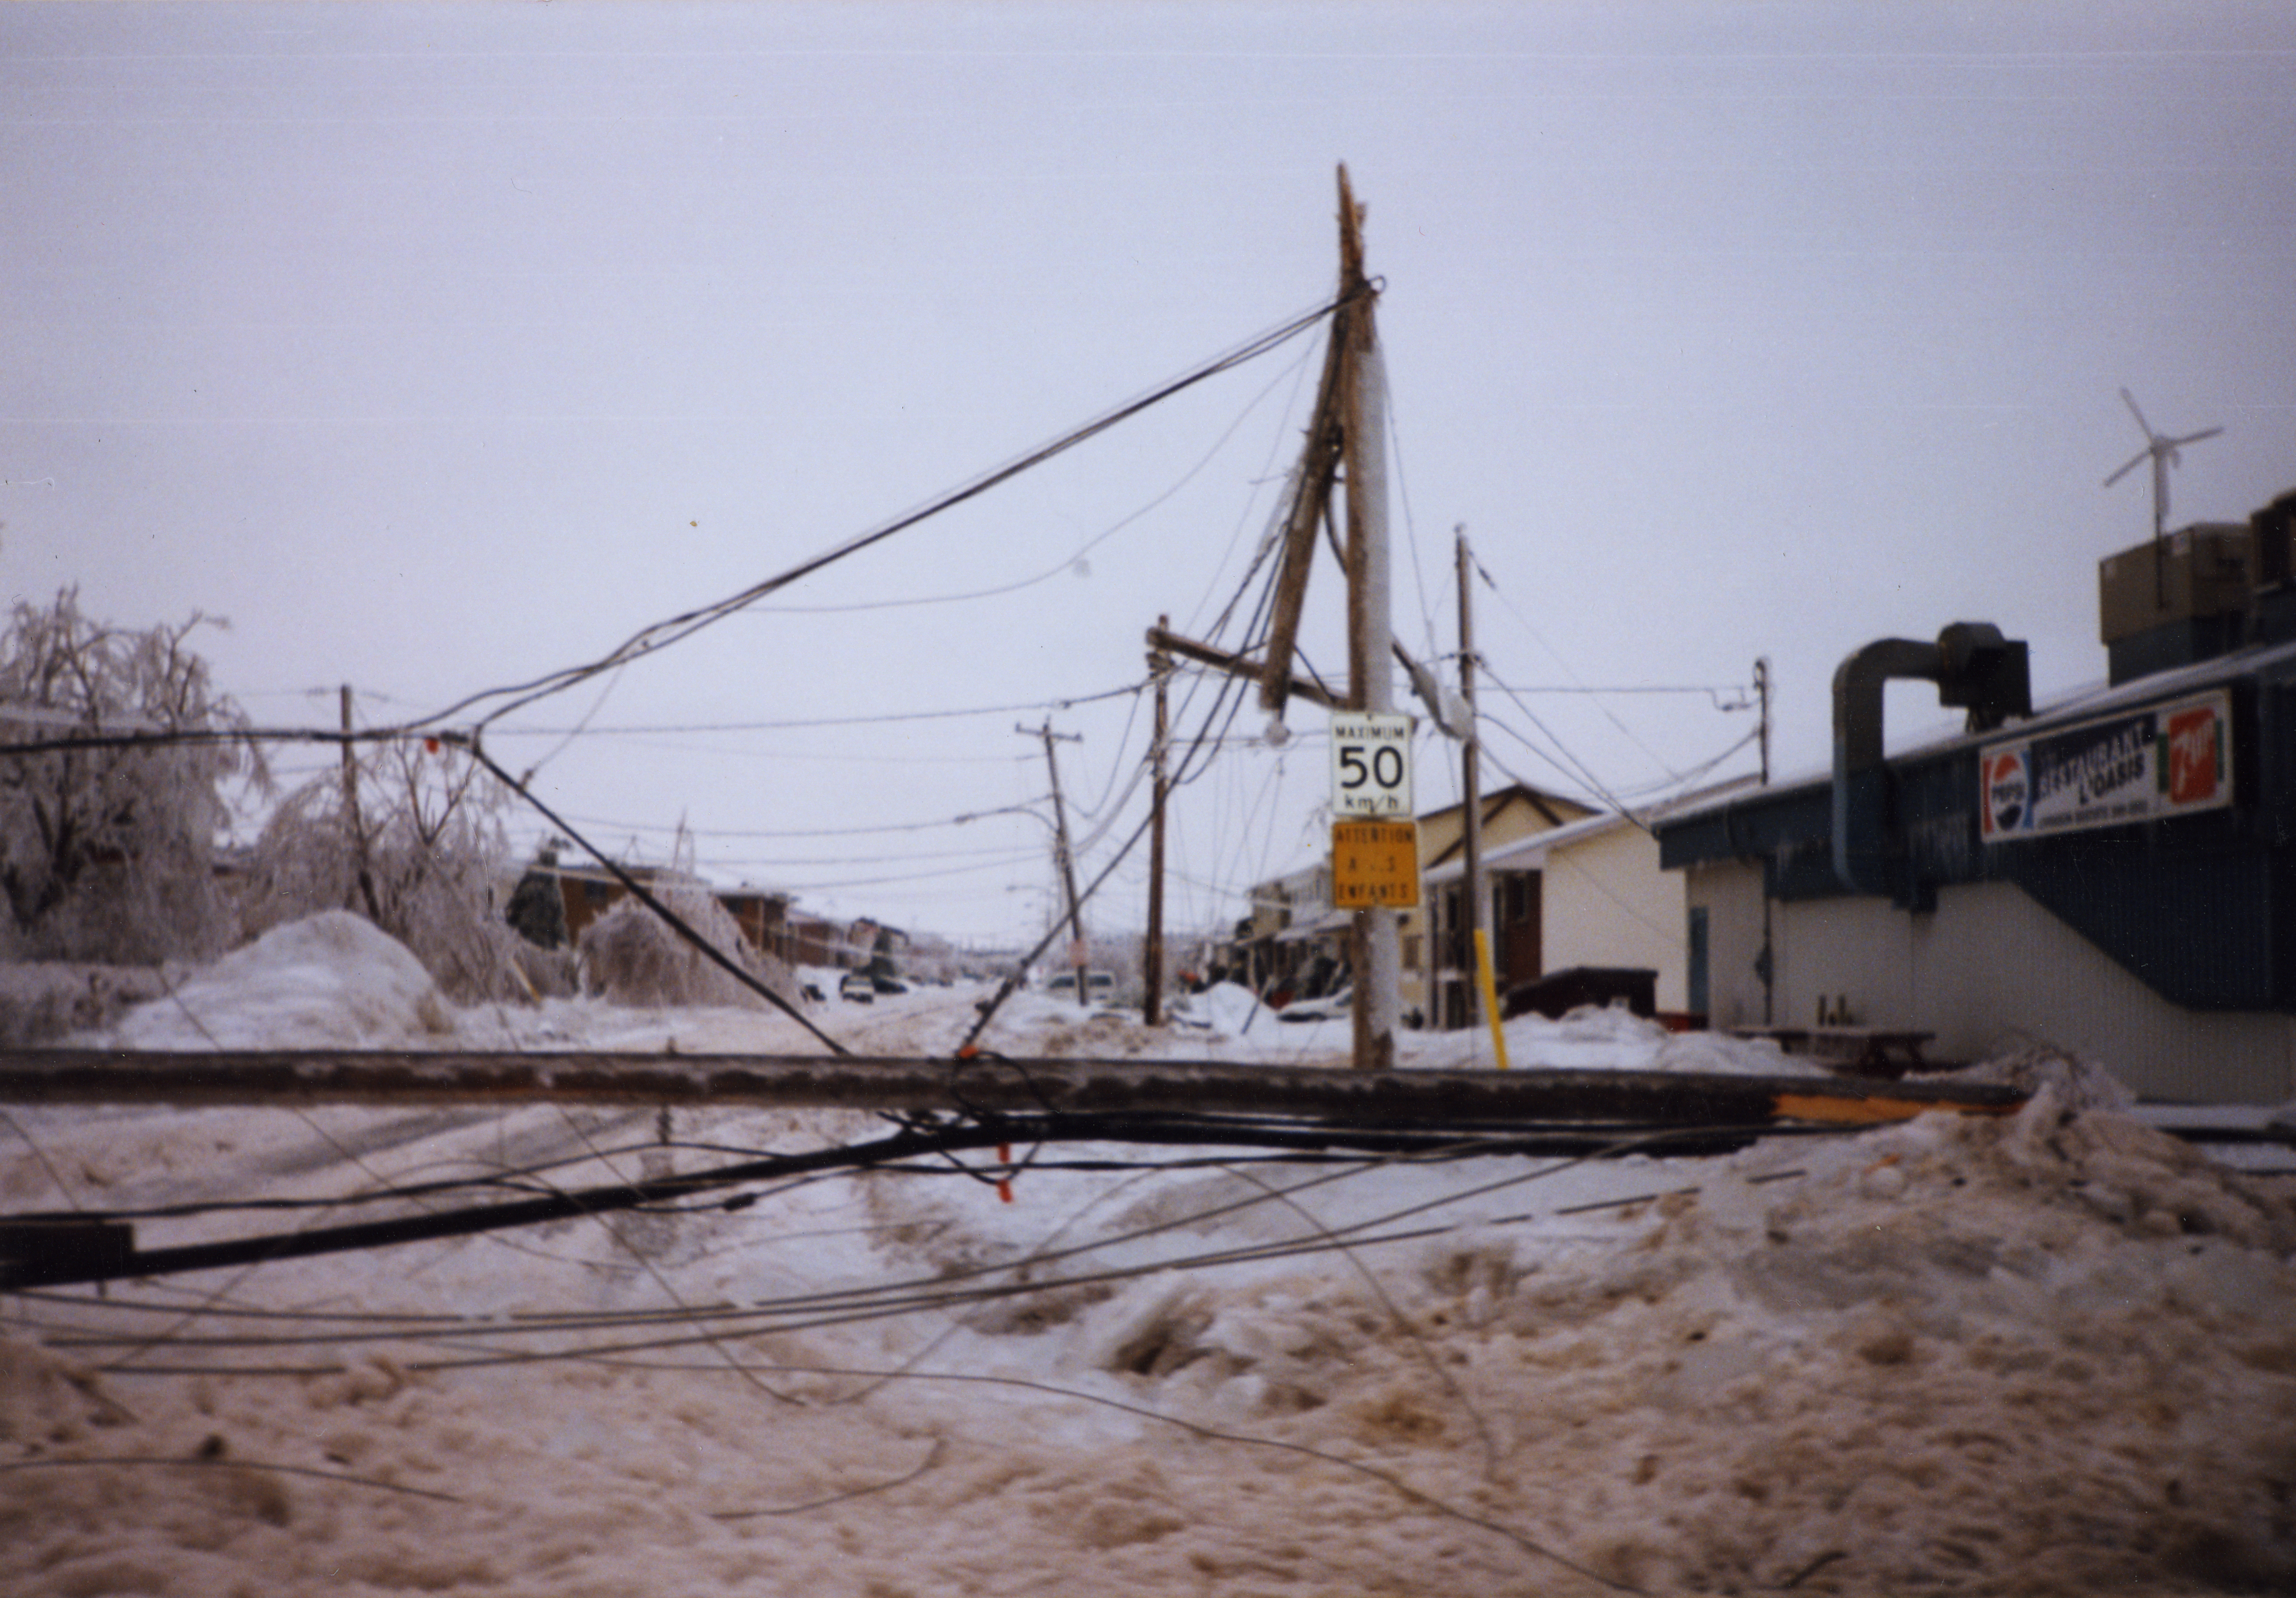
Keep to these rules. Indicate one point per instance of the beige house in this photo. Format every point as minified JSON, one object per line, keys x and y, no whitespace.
{"x":1435,"y":975}
{"x":1564,"y":886}
{"x":1590,"y":893}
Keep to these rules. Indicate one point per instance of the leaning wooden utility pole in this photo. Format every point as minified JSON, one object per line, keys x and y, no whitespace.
{"x":362,"y":872}
{"x":1152,"y":958}
{"x":1067,"y":862}
{"x":1373,"y":940}
{"x":1470,"y":803}
{"x":354,"y":833}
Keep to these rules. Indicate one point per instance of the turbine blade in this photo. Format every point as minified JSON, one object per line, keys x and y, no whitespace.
{"x":2196,"y":438}
{"x":2135,"y":461}
{"x":2130,"y":400}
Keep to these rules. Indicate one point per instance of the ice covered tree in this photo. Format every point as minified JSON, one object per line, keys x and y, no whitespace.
{"x":632,"y":956}
{"x":107,"y":853}
{"x":413,"y":841}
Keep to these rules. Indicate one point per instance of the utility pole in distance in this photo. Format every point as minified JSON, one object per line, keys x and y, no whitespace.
{"x":1471,"y":813}
{"x":352,"y":821}
{"x":1160,"y":669}
{"x":1062,"y":856}
{"x":1762,"y":692}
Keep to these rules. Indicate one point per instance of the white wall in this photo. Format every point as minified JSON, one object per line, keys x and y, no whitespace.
{"x":1605,"y":902}
{"x":1731,"y":891}
{"x":1989,"y":971}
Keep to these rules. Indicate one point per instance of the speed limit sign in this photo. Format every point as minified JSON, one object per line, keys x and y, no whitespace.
{"x":1370,"y":764}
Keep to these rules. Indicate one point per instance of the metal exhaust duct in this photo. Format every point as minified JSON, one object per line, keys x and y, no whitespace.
{"x":1972,"y":666}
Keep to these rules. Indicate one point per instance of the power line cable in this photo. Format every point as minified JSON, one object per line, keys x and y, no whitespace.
{"x":1044,"y":576}
{"x":1491,"y":583}
{"x":1298,"y":373}
{"x":1070,"y":702}
{"x":660,"y":634}
{"x":1712,"y":690}
{"x":909,"y":826}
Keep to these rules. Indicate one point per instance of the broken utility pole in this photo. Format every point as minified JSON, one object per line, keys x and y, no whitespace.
{"x":1363,"y":416}
{"x":1151,"y":958}
{"x":1077,"y":951}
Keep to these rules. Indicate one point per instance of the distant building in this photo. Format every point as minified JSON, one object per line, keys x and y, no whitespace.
{"x":588,"y":892}
{"x":1591,"y":893}
{"x":1438,"y":966}
{"x":1293,"y":939}
{"x":808,"y":939}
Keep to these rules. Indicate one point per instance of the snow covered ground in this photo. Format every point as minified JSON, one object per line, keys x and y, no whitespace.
{"x":2054,"y":1353}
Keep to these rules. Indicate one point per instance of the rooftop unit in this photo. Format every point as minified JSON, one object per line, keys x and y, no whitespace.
{"x":2201,"y":592}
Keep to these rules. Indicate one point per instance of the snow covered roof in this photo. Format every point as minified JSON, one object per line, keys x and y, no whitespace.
{"x":1530,"y":854}
{"x":1322,"y":926}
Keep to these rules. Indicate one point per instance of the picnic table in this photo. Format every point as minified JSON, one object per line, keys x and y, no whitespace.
{"x":1883,"y":1051}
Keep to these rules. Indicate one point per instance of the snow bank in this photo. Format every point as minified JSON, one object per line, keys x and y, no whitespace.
{"x":1603,"y":1038}
{"x":2042,"y":1355}
{"x":2048,"y":1354}
{"x":329,"y":981}
{"x":2079,"y":1084}
{"x":1229,"y":1009}
{"x":40,"y":1001}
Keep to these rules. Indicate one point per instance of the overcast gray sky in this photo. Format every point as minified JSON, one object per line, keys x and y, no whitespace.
{"x":438,"y":348}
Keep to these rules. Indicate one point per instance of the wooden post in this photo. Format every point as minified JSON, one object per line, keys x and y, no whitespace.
{"x":1615,"y":1100}
{"x":1373,"y":941}
{"x":1065,"y":861}
{"x":350,"y":777}
{"x":1471,"y":813}
{"x":1160,"y":669}
{"x":363,"y":874}
{"x":1762,"y":692}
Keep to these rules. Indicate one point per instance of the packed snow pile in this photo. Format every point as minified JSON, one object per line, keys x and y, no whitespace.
{"x":1608,"y":1038}
{"x":41,"y":1000}
{"x":1229,"y":1009}
{"x":327,"y":981}
{"x":2077,"y":1084}
{"x":2039,"y":1354}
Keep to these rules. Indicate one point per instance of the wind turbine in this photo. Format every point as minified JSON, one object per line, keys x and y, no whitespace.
{"x":2162,"y":450}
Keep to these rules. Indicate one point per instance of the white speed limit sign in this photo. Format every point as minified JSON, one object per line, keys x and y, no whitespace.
{"x":1370,"y":764}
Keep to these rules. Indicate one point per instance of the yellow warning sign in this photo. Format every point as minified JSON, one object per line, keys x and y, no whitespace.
{"x":1373,"y":863}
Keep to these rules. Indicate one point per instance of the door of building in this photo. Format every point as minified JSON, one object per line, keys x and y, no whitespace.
{"x":1515,"y":917}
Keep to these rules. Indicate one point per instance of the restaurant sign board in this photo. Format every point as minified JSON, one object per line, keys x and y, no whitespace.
{"x":2163,"y":760}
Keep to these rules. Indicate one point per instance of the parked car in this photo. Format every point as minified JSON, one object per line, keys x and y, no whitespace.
{"x":857,"y":989}
{"x":1097,"y":983}
{"x":889,"y":985}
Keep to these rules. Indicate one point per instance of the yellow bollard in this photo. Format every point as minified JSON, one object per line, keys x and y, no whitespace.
{"x":1490,"y":995}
